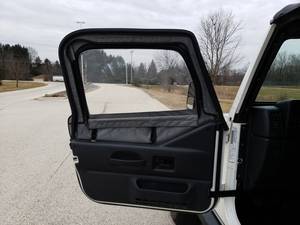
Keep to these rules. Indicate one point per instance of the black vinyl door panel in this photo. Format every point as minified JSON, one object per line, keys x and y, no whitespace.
{"x":162,"y":159}
{"x":173,"y":174}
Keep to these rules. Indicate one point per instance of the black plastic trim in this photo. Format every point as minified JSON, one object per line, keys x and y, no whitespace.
{"x":286,"y":13}
{"x":281,"y":33}
{"x":181,"y":41}
{"x":153,"y":119}
{"x":209,"y":218}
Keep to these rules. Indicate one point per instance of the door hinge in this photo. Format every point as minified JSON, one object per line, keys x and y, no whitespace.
{"x":75,"y":159}
{"x":229,"y":134}
{"x":223,"y":194}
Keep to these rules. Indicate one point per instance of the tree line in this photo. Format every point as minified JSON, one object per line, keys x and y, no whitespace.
{"x":166,"y":69}
{"x":284,"y":70}
{"x":219,"y":36}
{"x":22,"y":63}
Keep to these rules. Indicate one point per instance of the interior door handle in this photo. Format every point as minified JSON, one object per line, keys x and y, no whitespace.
{"x":121,"y":158}
{"x":128,"y":162}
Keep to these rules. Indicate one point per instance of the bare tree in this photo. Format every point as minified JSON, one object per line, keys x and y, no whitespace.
{"x":166,"y":59}
{"x":281,"y":62}
{"x":219,"y":38}
{"x":17,"y":67}
{"x":2,"y":64}
{"x":167,"y":62}
{"x":279,"y":68}
{"x":33,"y":54}
{"x":48,"y":70}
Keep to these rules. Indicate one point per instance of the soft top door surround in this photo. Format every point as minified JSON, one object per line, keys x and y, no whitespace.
{"x":182,"y":41}
{"x":164,"y":160}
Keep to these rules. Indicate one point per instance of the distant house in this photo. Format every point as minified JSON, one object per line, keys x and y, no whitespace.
{"x":40,"y":78}
{"x":58,"y":78}
{"x":45,"y":77}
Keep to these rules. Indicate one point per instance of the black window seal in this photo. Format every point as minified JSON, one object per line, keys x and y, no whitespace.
{"x":83,"y":116}
{"x":282,"y":32}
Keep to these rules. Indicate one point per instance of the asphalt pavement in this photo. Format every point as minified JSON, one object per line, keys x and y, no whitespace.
{"x":38,"y":182}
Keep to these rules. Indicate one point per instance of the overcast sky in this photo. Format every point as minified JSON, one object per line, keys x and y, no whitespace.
{"x":42,"y":24}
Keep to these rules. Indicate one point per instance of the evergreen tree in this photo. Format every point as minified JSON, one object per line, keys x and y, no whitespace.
{"x":152,"y":73}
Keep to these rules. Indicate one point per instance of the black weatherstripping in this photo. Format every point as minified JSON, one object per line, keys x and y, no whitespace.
{"x":289,"y":12}
{"x":182,"y":41}
{"x":151,"y":159}
{"x":287,"y":23}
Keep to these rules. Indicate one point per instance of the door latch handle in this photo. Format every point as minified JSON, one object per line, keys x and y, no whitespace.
{"x":126,"y":158}
{"x":127,"y":162}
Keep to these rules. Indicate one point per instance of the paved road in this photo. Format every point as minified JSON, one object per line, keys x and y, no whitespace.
{"x":121,"y":99}
{"x":37,"y":179}
{"x":13,"y":98}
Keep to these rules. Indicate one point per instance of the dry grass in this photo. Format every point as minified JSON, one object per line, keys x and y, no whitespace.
{"x":10,"y":85}
{"x":176,"y":97}
{"x":225,"y":104}
{"x":226,"y":95}
{"x":274,"y":94}
{"x":226,"y":92}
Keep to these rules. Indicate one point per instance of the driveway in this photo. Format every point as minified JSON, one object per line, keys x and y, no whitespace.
{"x":38,"y":183}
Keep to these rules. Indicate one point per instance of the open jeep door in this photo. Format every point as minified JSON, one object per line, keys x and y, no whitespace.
{"x":160,"y":159}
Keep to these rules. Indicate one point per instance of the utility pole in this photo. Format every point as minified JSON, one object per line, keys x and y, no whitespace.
{"x":131,"y":67}
{"x":126,"y":73}
{"x":84,"y":78}
{"x":80,"y":23}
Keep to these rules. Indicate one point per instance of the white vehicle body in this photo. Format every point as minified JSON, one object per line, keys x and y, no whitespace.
{"x":225,"y":208}
{"x":206,"y":169}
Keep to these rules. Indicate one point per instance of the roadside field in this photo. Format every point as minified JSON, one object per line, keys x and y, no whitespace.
{"x":10,"y":85}
{"x":175,"y":96}
{"x":279,"y":93}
